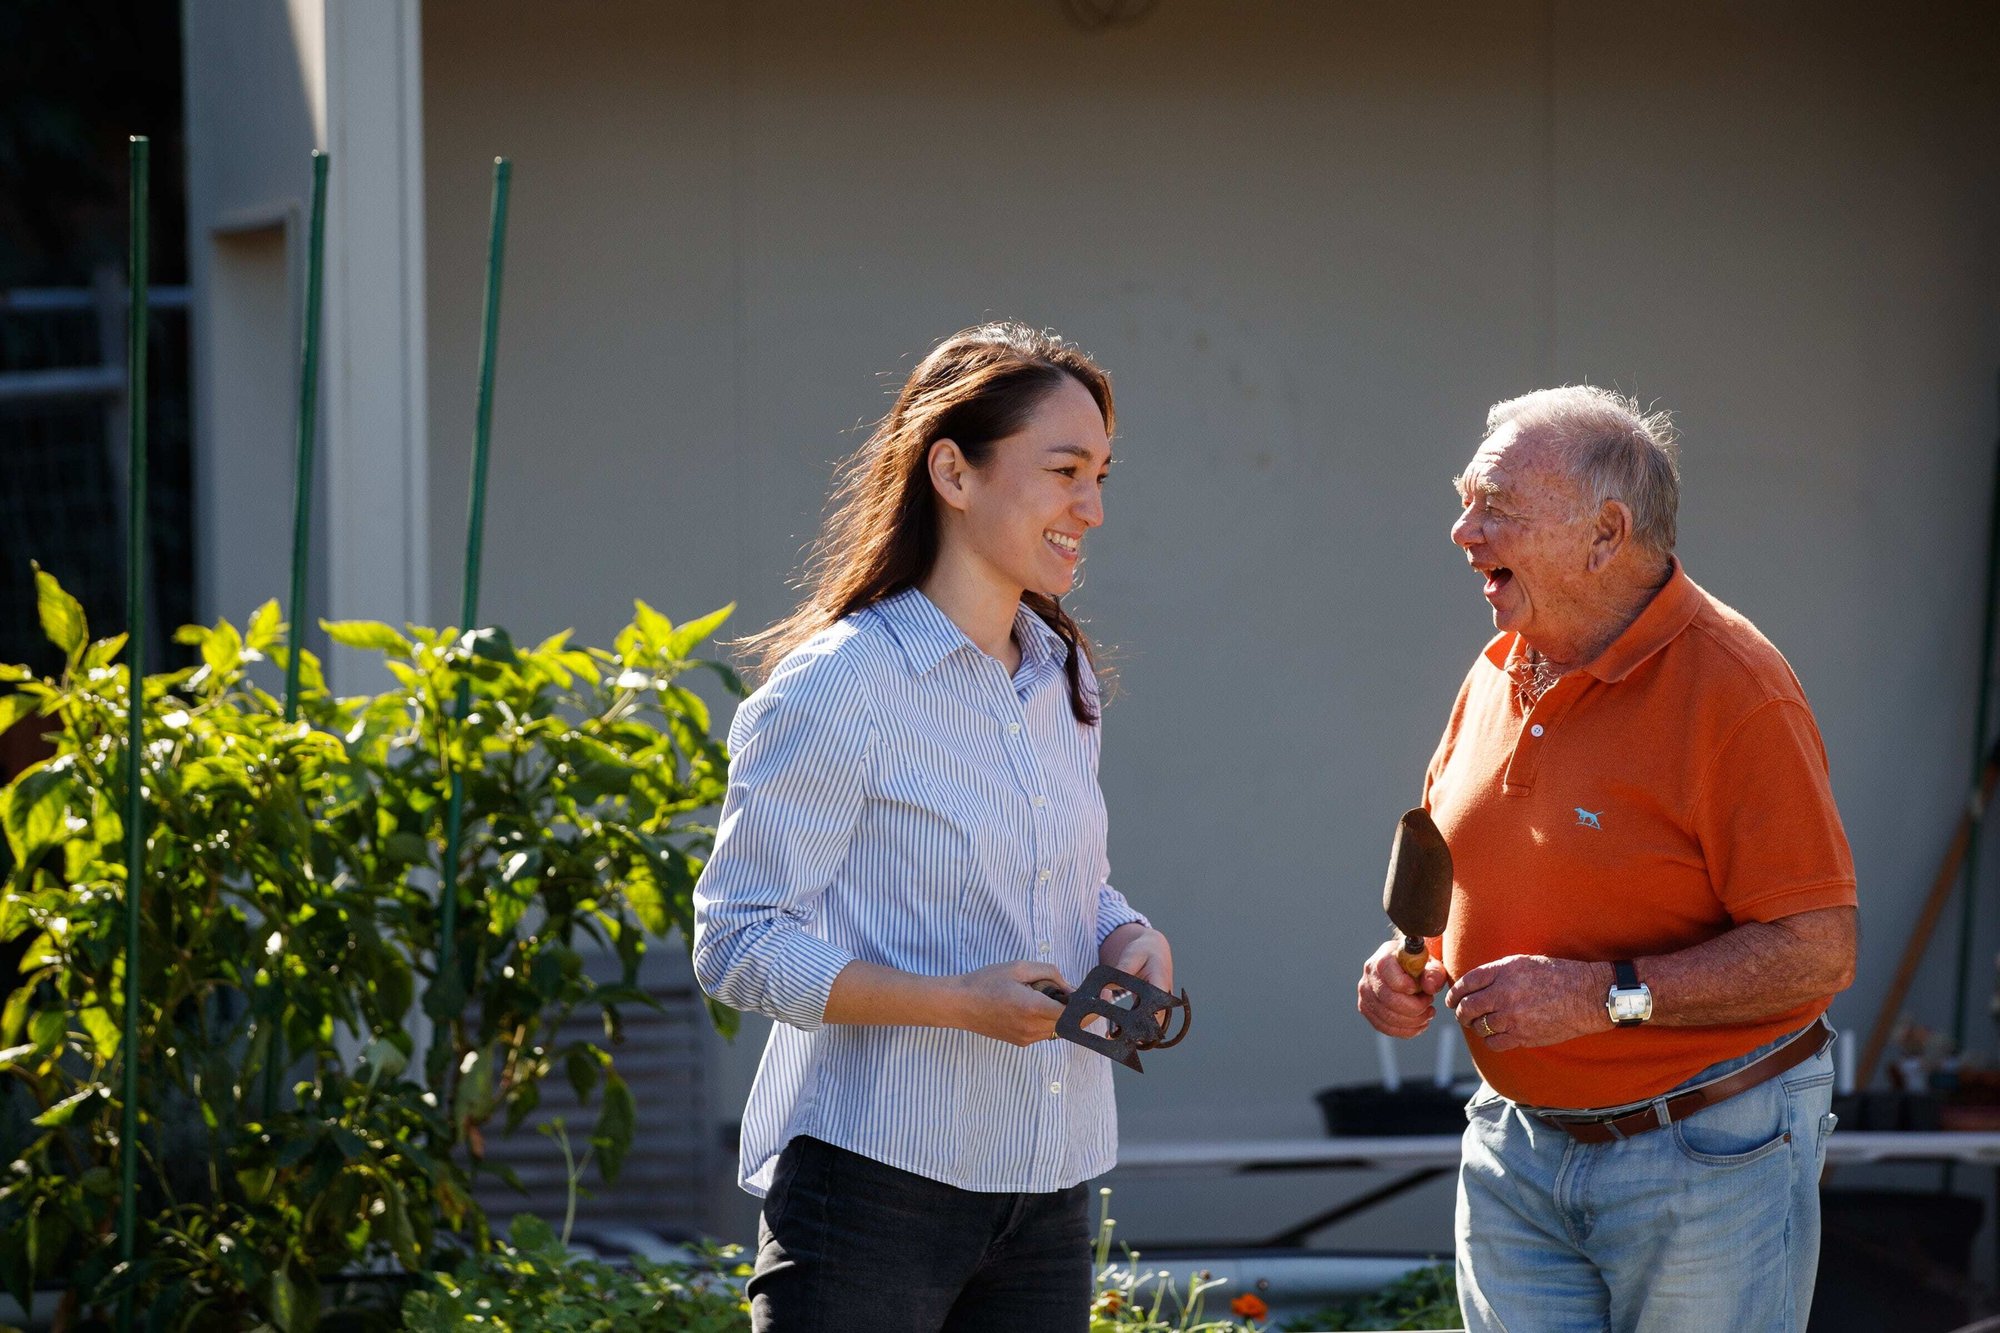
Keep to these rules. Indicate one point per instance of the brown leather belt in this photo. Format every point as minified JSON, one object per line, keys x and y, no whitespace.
{"x":1664,"y":1111}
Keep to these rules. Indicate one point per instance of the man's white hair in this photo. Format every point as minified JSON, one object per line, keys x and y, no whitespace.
{"x":1614,"y":448}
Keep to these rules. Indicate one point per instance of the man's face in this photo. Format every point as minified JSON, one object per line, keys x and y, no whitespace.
{"x":1524,"y":530}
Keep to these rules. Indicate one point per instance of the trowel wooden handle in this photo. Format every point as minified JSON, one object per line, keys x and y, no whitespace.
{"x":1414,"y":956}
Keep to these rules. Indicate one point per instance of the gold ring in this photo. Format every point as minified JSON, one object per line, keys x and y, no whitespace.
{"x":1486,"y":1025}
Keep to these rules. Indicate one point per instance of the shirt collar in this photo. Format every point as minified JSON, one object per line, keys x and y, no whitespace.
{"x":1672,"y":609}
{"x":928,"y":636}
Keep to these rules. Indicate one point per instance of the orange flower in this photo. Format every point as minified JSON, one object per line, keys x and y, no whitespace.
{"x":1249,"y":1306}
{"x":1111,"y":1302}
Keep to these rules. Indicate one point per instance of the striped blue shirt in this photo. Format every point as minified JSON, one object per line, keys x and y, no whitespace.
{"x":895,"y":797}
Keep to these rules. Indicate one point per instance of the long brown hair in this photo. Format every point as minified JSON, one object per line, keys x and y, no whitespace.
{"x":881,"y":533}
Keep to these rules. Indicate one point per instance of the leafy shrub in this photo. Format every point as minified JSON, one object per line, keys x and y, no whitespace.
{"x":290,"y":920}
{"x":533,"y":1283}
{"x":1422,"y":1298}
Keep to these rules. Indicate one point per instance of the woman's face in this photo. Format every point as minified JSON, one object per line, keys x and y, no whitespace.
{"x":1023,"y":513}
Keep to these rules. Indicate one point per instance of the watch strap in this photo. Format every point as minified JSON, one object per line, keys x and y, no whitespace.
{"x":1625,"y":976}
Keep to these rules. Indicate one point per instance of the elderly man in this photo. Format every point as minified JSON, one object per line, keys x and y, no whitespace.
{"x":1654,"y":904}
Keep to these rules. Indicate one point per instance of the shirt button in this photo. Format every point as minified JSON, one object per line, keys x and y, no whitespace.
{"x":1044,"y":945}
{"x":1055,"y":1087}
{"x":1013,"y":728}
{"x":1535,"y":730}
{"x":1041,"y":801}
{"x":1042,"y":878}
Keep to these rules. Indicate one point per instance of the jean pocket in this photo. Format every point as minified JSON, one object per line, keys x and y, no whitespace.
{"x":1485,"y":1099}
{"x":1807,"y":1081}
{"x":1749,"y":1126}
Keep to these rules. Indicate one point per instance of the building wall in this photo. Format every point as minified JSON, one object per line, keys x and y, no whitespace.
{"x":1312,"y":243}
{"x":252,"y":111}
{"x":267,"y":84}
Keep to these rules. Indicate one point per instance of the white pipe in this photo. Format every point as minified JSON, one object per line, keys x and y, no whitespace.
{"x":1385,"y":1052}
{"x":1844,"y":1058}
{"x":1447,"y":1042}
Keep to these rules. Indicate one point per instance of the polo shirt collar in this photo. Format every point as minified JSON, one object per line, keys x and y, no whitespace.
{"x":928,"y":636}
{"x":1672,"y":610}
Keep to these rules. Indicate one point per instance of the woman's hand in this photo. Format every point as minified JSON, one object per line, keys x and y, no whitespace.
{"x":1001,"y":1002}
{"x":1141,"y":951}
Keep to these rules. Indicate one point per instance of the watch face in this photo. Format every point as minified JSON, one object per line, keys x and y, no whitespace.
{"x":1631,"y":1006}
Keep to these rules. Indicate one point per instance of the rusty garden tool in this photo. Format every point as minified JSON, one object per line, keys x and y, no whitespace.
{"x":1140,"y":1025}
{"x":1417,"y":893}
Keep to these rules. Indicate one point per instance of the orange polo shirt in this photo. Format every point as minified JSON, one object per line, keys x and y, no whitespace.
{"x":1671,"y":790}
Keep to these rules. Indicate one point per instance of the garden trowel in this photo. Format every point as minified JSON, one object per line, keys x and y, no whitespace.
{"x":1417,"y":894}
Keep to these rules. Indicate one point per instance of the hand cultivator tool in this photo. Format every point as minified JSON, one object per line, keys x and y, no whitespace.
{"x":1136,"y":1021}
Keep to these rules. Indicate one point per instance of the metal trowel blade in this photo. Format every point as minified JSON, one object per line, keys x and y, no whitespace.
{"x":1417,"y":893}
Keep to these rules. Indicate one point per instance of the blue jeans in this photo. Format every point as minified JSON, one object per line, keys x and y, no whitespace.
{"x":1710,"y":1225}
{"x":847,"y":1244}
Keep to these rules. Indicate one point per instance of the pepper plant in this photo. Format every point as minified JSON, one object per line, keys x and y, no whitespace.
{"x":314,"y":1096}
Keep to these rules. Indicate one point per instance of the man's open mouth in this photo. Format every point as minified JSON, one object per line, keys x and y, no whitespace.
{"x":1497,"y":578}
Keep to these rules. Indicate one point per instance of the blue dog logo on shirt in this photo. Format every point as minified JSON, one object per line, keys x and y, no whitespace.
{"x":1587,"y":818}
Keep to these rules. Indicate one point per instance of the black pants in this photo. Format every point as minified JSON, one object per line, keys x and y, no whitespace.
{"x":846,"y":1243}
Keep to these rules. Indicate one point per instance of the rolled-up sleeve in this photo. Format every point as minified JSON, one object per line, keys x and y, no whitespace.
{"x":798,"y":778}
{"x":1113,"y":911}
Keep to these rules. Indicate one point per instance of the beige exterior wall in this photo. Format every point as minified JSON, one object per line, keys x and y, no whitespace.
{"x":1312,"y":243}
{"x":268,"y":83}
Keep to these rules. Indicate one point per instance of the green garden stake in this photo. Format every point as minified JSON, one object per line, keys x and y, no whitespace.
{"x":302,"y":488}
{"x":302,"y":482}
{"x":445,"y":987}
{"x":135,"y":708}
{"x":1970,"y":868}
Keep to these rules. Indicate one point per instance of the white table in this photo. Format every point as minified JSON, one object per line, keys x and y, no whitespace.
{"x":1424,"y":1157}
{"x":1414,"y":1150}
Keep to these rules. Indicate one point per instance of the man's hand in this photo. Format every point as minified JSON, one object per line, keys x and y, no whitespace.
{"x":1001,"y":1002}
{"x":1391,"y":999}
{"x":1526,"y":999}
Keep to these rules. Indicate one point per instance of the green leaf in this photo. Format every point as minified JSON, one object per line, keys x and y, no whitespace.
{"x":654,"y":629}
{"x":402,"y":1237}
{"x":62,"y":616}
{"x":649,"y":902}
{"x":293,"y":1298}
{"x":31,"y":812}
{"x":615,"y":1123}
{"x":692,"y":633}
{"x":492,"y":644}
{"x":474,"y":1095}
{"x":445,"y":1000}
{"x":223,"y":650}
{"x":384,"y":1059}
{"x":532,"y":1235}
{"x":104,"y":652}
{"x":368,"y":635}
{"x":14,"y":707}
{"x":47,"y":1029}
{"x":15,"y":1015}
{"x":407,"y":848}
{"x":266,"y":624}
{"x":68,"y":1108}
{"x":584,"y":1064}
{"x":104,"y":1031}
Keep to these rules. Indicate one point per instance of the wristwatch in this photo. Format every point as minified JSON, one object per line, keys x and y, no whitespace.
{"x":1630,"y":1000}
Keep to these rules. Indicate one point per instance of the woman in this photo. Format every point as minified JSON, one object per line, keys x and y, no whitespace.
{"x":913,"y":838}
